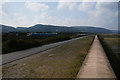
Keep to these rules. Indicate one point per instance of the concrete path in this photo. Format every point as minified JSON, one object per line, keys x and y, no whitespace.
{"x":96,"y":64}
{"x":10,"y":57}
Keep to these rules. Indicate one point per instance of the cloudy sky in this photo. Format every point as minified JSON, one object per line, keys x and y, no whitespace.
{"x":25,"y":14}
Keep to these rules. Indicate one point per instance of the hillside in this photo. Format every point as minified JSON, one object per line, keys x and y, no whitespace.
{"x":52,"y":28}
{"x":7,"y":28}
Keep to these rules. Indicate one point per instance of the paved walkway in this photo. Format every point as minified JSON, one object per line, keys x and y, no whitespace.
{"x":96,"y":64}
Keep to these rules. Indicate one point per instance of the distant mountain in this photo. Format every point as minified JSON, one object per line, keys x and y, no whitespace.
{"x":116,"y":31}
{"x":91,"y":29}
{"x":47,"y":28}
{"x":52,"y":28}
{"x":21,"y":29}
{"x":7,"y":28}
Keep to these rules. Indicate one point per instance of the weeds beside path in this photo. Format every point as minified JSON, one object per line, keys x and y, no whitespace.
{"x":111,"y":46}
{"x":63,"y":61}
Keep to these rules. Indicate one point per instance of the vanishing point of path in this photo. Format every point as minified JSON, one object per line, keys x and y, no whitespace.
{"x":96,"y":64}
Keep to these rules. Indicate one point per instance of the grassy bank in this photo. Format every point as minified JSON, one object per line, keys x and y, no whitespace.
{"x":19,"y":41}
{"x":112,"y":48}
{"x":63,"y":61}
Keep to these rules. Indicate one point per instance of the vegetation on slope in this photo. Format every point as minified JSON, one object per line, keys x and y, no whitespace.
{"x":111,"y":46}
{"x":11,"y":42}
{"x":63,"y":61}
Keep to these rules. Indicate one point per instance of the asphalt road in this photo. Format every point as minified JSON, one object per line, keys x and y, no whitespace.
{"x":96,"y":64}
{"x":10,"y":57}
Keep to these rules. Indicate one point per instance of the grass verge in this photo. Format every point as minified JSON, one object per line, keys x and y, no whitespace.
{"x":12,"y":43}
{"x":63,"y":61}
{"x":111,"y":46}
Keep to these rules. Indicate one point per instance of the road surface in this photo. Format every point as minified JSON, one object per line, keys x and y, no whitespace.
{"x":96,"y":64}
{"x":10,"y":57}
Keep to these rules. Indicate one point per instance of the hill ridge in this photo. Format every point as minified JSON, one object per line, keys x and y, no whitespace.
{"x":54,"y":28}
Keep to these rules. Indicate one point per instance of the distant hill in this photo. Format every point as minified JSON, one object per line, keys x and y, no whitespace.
{"x":7,"y":28}
{"x":21,"y":29}
{"x":52,"y":28}
{"x":116,"y":31}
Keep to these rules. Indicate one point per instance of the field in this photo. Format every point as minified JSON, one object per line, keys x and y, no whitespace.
{"x":112,"y":48}
{"x":63,"y":61}
{"x":19,"y":41}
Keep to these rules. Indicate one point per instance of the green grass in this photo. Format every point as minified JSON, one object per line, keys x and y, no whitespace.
{"x":11,"y":42}
{"x":111,"y":47}
{"x":63,"y":61}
